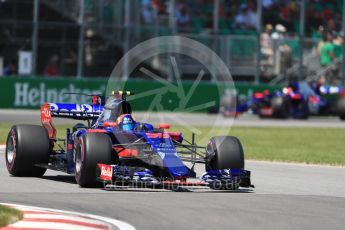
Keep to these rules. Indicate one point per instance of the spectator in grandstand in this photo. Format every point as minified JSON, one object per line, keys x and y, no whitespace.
{"x":148,"y":11}
{"x":279,"y":32}
{"x":52,"y":68}
{"x":267,"y":3}
{"x":330,"y":26}
{"x":314,"y":20}
{"x":267,"y":45}
{"x":10,"y":69}
{"x":327,"y":57}
{"x":246,"y":19}
{"x":182,"y":14}
{"x":159,"y":6}
{"x":317,"y":35}
{"x":337,"y":46}
{"x":320,"y":34}
{"x":288,"y":13}
{"x":327,"y":50}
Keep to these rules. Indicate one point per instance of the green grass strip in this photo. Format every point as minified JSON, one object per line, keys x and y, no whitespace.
{"x":9,"y":215}
{"x":287,"y":144}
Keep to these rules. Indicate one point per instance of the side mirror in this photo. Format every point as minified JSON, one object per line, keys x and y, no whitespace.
{"x":164,"y":126}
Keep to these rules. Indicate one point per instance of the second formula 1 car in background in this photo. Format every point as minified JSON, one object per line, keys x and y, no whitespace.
{"x":300,"y":100}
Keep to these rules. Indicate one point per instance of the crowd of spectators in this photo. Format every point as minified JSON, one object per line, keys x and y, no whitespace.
{"x":280,"y":19}
{"x":237,"y":15}
{"x":246,"y":18}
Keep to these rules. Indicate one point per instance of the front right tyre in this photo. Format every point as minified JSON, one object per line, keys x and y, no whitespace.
{"x":280,"y":107}
{"x":341,"y":108}
{"x":91,"y":149}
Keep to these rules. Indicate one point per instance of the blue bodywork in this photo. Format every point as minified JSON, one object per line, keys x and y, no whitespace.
{"x":163,"y":146}
{"x":162,"y":152}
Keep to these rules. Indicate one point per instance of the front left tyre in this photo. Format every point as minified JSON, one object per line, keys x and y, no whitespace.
{"x":224,"y":152}
{"x":26,"y":147}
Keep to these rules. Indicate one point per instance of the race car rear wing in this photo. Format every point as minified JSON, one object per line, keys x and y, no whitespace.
{"x":72,"y":111}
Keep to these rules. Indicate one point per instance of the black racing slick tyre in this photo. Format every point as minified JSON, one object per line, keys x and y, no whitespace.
{"x":341,"y":108}
{"x":27,"y":146}
{"x":224,"y":152}
{"x":280,"y":107}
{"x":91,"y":149}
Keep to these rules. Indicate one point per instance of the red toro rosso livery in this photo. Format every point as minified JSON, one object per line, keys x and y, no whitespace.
{"x":114,"y":149}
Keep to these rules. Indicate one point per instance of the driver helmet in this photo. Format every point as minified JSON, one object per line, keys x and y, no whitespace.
{"x":126,"y":122}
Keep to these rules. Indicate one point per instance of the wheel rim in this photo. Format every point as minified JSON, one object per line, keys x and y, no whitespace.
{"x":11,"y":151}
{"x":78,"y":160}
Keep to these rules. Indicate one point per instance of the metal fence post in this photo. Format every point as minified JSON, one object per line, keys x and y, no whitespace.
{"x":34,"y":41}
{"x":258,"y":42}
{"x":126,"y":40}
{"x":343,"y":35}
{"x":80,"y":69}
{"x":172,"y":20}
{"x":216,"y":16}
{"x":301,"y":39}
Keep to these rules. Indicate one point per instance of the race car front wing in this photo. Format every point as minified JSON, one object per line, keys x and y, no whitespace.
{"x":117,"y":176}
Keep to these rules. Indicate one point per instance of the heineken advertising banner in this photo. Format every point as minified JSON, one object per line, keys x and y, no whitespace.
{"x":33,"y":92}
{"x":30,"y":92}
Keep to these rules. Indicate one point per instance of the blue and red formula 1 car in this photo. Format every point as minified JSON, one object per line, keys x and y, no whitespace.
{"x":115,"y":150}
{"x":300,"y":100}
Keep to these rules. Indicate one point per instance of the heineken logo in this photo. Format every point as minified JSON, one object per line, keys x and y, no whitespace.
{"x":27,"y":94}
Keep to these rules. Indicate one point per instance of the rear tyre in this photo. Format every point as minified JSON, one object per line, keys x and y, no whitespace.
{"x":303,"y":111}
{"x":280,"y":107}
{"x":79,"y":126}
{"x":224,"y":152}
{"x":27,"y":146}
{"x":341,"y":108}
{"x":92,"y":149}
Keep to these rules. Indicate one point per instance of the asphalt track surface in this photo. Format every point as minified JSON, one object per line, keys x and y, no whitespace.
{"x":287,"y":196}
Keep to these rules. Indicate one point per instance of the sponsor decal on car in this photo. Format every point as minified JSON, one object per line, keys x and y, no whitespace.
{"x":106,"y":172}
{"x":266,"y":111}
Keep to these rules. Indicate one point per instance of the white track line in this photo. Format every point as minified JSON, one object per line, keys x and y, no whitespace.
{"x":2,"y":147}
{"x":119,"y":224}
{"x":49,"y":225}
